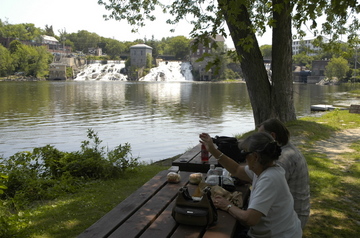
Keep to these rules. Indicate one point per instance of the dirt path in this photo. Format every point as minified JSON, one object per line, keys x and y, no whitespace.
{"x":339,"y":143}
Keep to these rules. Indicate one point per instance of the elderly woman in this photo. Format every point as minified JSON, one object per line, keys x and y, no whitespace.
{"x":270,"y":212}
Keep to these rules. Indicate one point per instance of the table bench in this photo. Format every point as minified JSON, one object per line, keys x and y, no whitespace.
{"x":147,"y":213}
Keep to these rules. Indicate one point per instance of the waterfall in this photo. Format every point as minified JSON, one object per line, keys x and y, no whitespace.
{"x":104,"y":72}
{"x":170,"y":71}
{"x":166,"y":71}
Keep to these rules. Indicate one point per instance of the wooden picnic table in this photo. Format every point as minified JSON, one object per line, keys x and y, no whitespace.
{"x":191,"y":161}
{"x":147,"y":213}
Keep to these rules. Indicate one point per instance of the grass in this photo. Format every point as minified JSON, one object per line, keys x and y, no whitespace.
{"x":335,"y":192}
{"x":73,"y":213}
{"x":335,"y":189}
{"x":334,"y":183}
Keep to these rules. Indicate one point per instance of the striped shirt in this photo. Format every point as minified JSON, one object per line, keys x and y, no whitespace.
{"x":297,"y":177}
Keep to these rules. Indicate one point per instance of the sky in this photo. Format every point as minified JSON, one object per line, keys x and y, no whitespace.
{"x":76,"y":15}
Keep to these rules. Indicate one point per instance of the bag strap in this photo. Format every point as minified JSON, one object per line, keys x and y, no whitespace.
{"x":207,"y":193}
{"x":185,"y":192}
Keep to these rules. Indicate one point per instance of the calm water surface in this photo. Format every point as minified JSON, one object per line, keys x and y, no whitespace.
{"x":159,"y":120}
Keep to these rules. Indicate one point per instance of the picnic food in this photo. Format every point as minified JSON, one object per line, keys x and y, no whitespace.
{"x":195,"y":178}
{"x":173,"y":177}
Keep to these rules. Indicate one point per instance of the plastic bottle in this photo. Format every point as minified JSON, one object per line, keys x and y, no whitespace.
{"x":204,"y":154}
{"x":212,"y":170}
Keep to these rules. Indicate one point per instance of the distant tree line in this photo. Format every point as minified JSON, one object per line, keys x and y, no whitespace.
{"x":33,"y":60}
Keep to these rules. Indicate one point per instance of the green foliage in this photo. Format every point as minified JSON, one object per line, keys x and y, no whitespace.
{"x":149,"y":60}
{"x":179,"y":46}
{"x":46,"y":173}
{"x":207,"y":17}
{"x":230,"y":74}
{"x":8,"y":223}
{"x":22,"y":32}
{"x":6,"y":62}
{"x":303,"y":59}
{"x":71,"y":214}
{"x":112,"y":47}
{"x":69,"y":72}
{"x":83,"y":40}
{"x":337,"y":68}
{"x":31,"y":60}
{"x":3,"y":179}
{"x":266,"y":51}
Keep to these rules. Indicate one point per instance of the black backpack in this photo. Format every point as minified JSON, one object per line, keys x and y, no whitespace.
{"x":229,"y":146}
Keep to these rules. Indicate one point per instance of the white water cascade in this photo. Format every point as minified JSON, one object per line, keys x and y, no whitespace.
{"x":166,"y":71}
{"x":170,"y":71}
{"x":103,"y":72}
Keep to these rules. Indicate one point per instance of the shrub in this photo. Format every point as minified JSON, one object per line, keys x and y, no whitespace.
{"x":46,"y":173}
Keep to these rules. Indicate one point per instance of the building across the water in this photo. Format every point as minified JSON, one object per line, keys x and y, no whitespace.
{"x":138,"y":55}
{"x":307,"y":44}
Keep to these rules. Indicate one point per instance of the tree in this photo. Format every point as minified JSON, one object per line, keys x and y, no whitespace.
{"x":6,"y":66}
{"x":269,"y":98}
{"x":179,"y":46}
{"x":303,"y":59}
{"x":154,"y":44}
{"x":83,"y":40}
{"x":24,"y":31}
{"x":21,"y":55}
{"x":33,"y":61}
{"x":39,"y":63}
{"x":337,"y":68}
{"x":266,"y":51}
{"x":49,"y":30}
{"x":112,"y":47}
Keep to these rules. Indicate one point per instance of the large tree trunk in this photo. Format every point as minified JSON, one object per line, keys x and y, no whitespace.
{"x":267,"y":99}
{"x":281,"y":67}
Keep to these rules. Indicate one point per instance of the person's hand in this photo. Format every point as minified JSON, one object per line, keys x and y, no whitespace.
{"x":206,"y":140}
{"x":221,"y":202}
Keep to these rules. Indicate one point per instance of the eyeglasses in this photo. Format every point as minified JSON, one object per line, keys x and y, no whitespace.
{"x":243,"y":154}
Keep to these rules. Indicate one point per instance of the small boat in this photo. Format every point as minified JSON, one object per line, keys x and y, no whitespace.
{"x":322,"y":107}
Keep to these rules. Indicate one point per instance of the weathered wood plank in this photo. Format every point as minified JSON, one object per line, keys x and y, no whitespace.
{"x":189,"y":155}
{"x":121,"y":212}
{"x":145,"y":215}
{"x":188,"y":232}
{"x":163,"y":226}
{"x":223,"y":227}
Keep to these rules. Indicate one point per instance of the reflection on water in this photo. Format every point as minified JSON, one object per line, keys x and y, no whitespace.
{"x":158,"y":119}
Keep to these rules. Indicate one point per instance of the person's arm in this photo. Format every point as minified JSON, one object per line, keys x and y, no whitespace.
{"x":229,"y":164}
{"x":248,"y":217}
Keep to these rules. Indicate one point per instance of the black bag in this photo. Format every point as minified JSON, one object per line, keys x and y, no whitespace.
{"x":229,"y":146}
{"x":187,"y":211}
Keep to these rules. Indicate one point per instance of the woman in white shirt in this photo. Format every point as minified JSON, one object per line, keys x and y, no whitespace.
{"x":270,"y":212}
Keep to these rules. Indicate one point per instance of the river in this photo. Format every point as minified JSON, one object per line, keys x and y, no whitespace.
{"x":158,"y":119}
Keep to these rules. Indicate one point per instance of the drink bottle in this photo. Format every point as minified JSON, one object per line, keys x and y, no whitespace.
{"x":204,"y":154}
{"x":211,"y":171}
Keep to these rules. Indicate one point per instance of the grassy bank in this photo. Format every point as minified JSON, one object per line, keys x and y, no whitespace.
{"x":334,"y":180}
{"x":335,"y":189}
